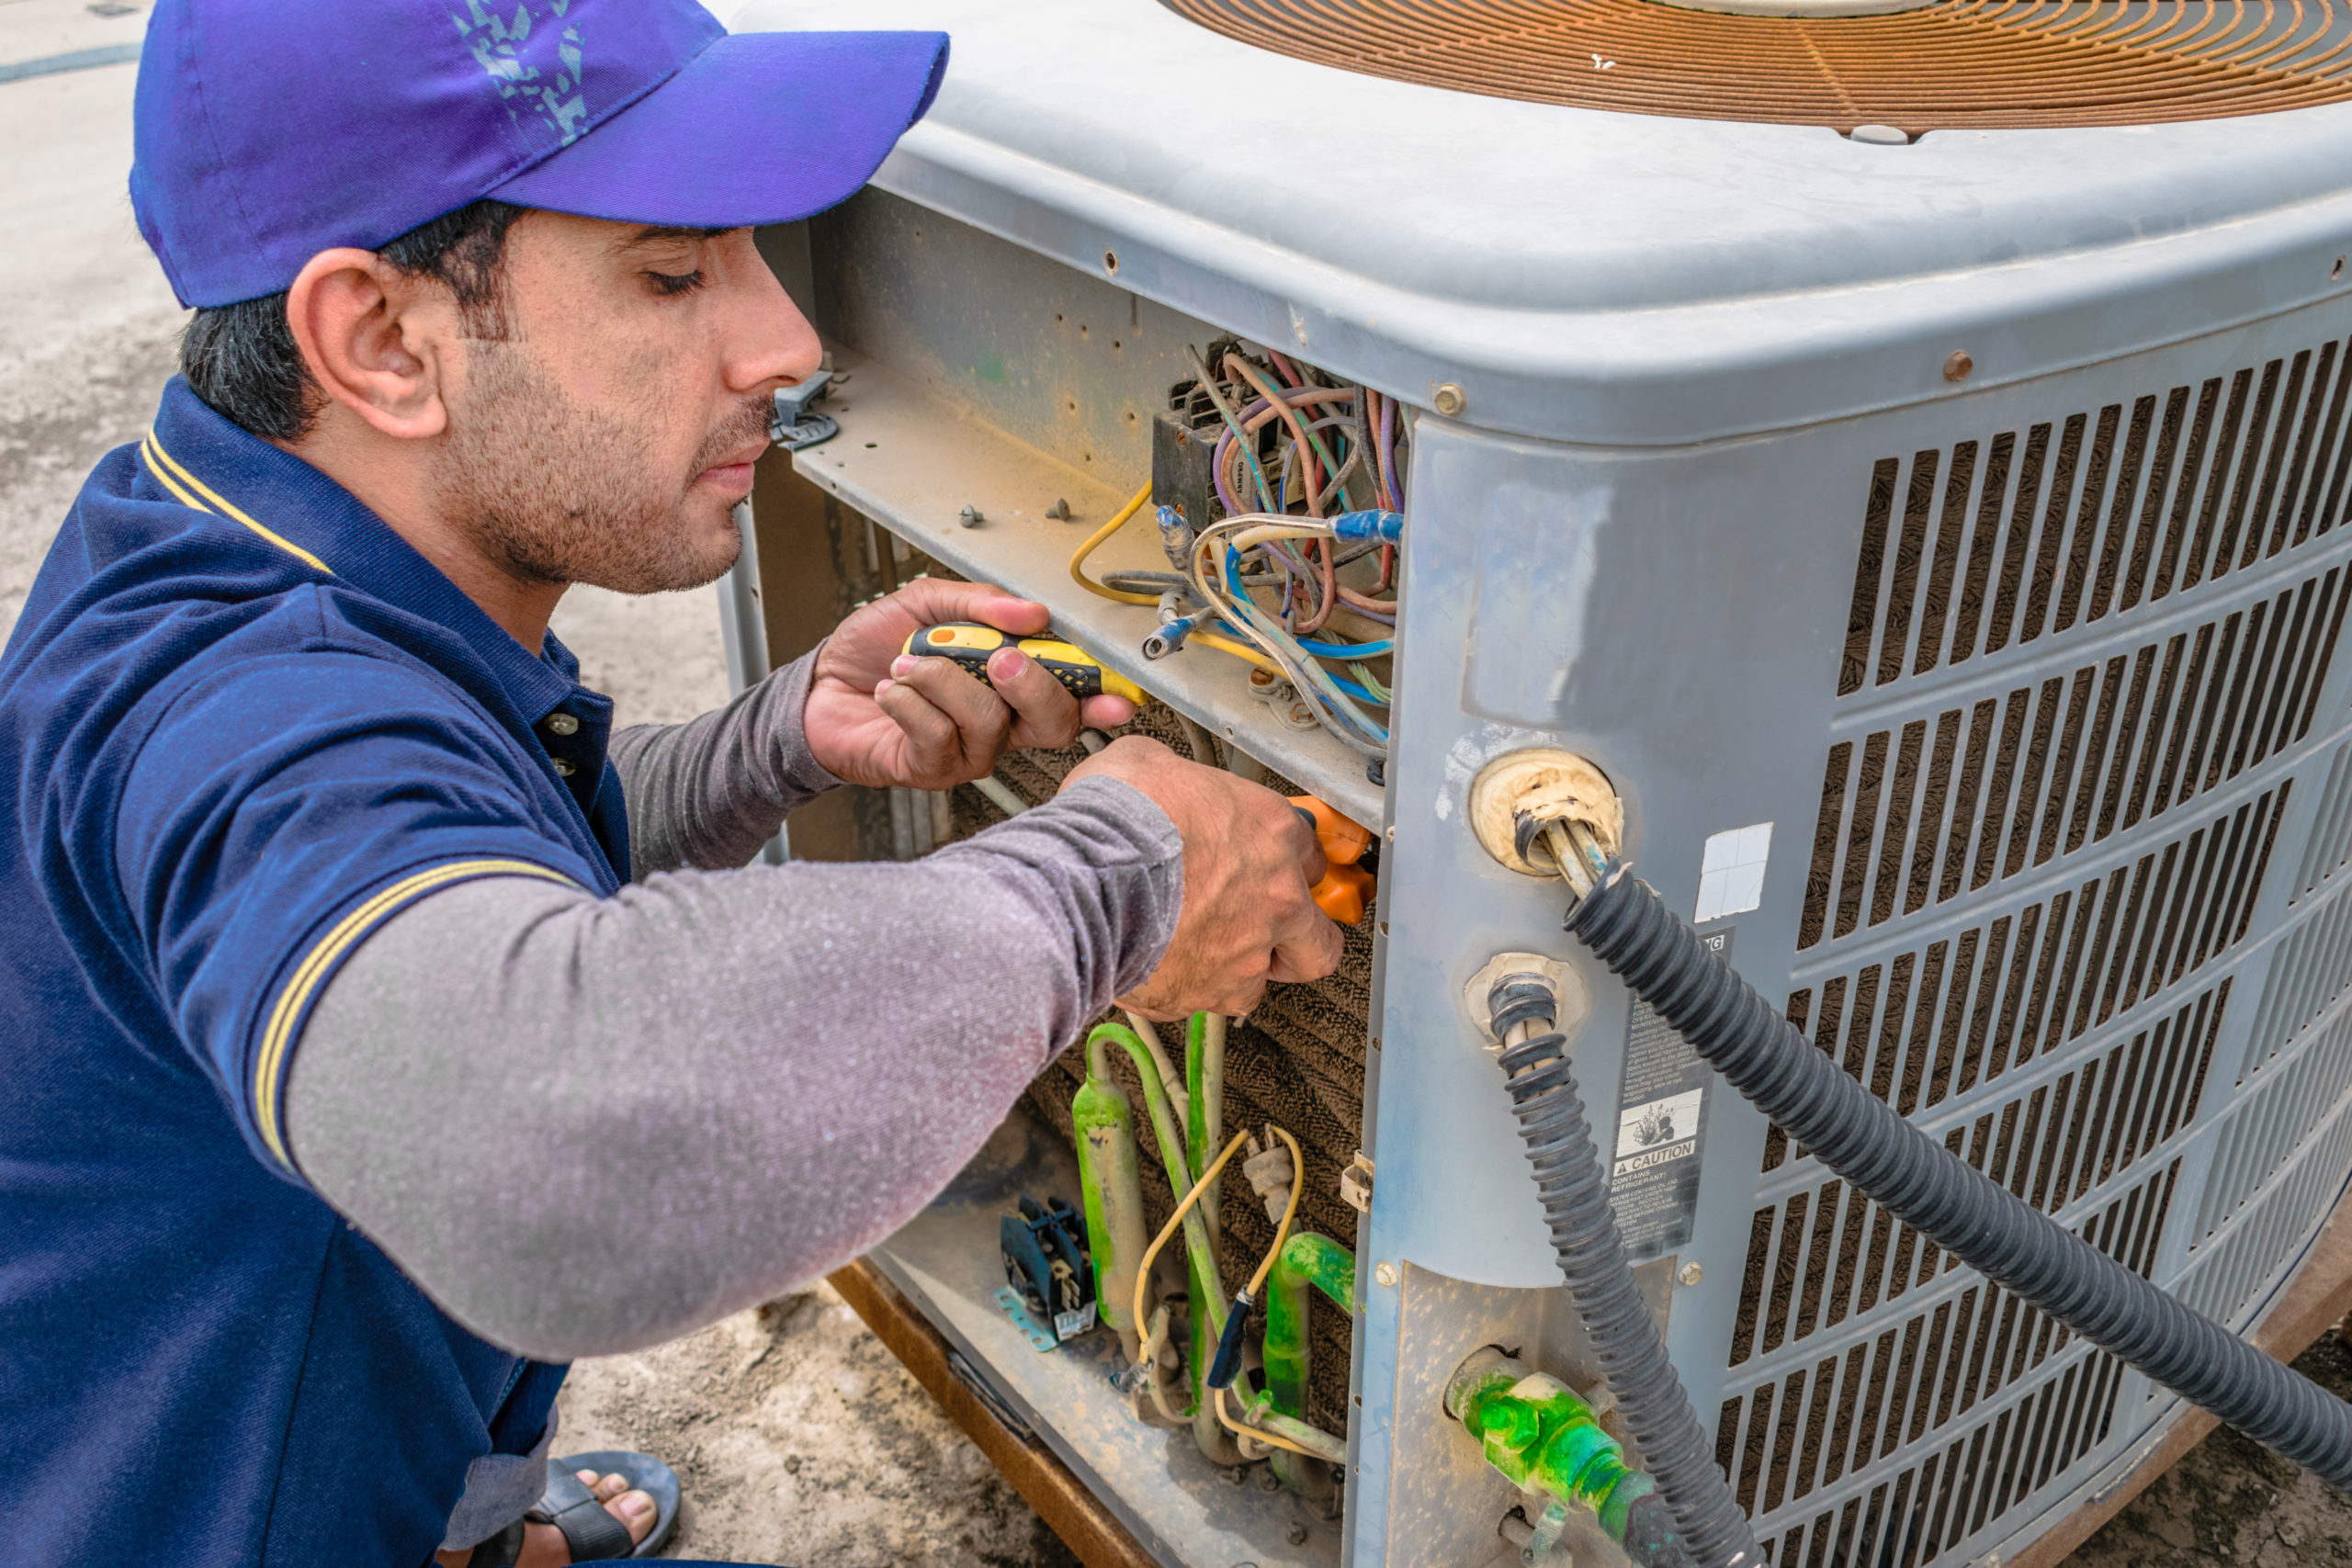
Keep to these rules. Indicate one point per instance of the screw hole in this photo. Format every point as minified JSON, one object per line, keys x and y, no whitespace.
{"x":1110,"y":261}
{"x":2337,"y":270}
{"x":870,"y":445}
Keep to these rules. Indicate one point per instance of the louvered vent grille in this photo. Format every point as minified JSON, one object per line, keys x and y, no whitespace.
{"x":2037,"y":535}
{"x":2079,"y":657}
{"x":1903,"y":1402}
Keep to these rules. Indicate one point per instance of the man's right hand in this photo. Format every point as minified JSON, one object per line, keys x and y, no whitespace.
{"x":1249,"y":861}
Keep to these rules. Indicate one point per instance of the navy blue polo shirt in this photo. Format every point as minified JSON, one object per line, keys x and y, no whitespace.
{"x":242,"y":724}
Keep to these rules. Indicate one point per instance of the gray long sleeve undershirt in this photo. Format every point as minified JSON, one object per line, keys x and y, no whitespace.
{"x":588,"y":1125}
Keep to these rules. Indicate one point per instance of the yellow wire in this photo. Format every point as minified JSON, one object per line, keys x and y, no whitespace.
{"x":1150,"y":1348}
{"x":1143,"y":1275}
{"x":1095,"y":542}
{"x":1226,"y":645}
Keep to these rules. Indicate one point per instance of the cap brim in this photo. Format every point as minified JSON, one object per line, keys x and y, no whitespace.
{"x":760,"y":128}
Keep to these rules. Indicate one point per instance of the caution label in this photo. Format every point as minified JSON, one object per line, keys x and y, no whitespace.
{"x":1661,"y":1127}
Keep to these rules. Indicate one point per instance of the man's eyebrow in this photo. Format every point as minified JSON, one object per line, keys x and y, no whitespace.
{"x":652,"y":232}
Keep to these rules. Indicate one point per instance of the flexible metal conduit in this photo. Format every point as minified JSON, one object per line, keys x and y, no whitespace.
{"x":1863,"y":1140}
{"x":1569,"y":1177}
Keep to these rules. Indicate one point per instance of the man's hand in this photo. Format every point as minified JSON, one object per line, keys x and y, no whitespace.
{"x":1249,"y":861}
{"x":878,"y":717}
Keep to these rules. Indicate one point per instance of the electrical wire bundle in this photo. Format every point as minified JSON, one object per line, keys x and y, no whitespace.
{"x":1303,"y":510}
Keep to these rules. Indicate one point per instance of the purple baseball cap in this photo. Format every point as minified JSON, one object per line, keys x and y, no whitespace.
{"x":268,"y":130}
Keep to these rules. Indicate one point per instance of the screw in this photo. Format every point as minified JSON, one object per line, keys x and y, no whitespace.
{"x":1268,"y":1481}
{"x":1059,"y":511}
{"x":1231,"y":1476}
{"x":1296,"y":1534}
{"x":1385,"y":1273}
{"x":1692,"y":1274}
{"x":1956,"y":368}
{"x":1450,"y":400}
{"x":1391,"y":834}
{"x":970,"y":517}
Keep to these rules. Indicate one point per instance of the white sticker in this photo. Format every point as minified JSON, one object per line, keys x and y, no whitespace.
{"x":1070,"y":1324}
{"x":1731,"y":874}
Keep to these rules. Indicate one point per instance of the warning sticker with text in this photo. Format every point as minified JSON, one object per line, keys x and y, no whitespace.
{"x":1661,"y":1119}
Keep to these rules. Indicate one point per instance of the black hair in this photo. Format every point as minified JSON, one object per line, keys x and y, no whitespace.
{"x":242,"y":359}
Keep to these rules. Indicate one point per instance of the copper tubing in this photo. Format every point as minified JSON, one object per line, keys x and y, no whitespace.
{"x":1954,"y":64}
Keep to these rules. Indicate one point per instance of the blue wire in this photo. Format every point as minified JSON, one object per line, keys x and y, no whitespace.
{"x":1348,"y":650}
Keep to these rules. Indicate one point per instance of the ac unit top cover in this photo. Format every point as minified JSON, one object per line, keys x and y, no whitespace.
{"x":1597,"y":276}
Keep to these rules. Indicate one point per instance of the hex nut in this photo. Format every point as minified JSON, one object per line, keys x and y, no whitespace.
{"x":1384,"y":1274}
{"x":1449,"y":399}
{"x":1958,"y":365}
{"x":1692,"y":1274}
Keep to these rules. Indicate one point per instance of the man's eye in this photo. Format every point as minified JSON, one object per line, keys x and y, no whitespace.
{"x":676,"y":282}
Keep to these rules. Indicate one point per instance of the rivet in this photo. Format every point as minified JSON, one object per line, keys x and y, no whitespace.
{"x":1384,"y":1274}
{"x":1692,"y":1274}
{"x":1449,"y":399}
{"x":1958,"y":365}
{"x":563,"y":724}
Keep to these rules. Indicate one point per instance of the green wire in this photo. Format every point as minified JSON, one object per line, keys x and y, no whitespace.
{"x":1232,"y":423}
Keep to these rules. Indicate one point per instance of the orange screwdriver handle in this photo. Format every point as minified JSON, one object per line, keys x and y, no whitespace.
{"x":1346,"y":890}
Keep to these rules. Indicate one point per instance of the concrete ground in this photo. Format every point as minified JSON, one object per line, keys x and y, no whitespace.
{"x":800,"y":1439}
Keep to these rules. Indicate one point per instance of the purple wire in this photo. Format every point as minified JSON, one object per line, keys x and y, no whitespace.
{"x":1217,"y":472}
{"x":1389,"y":453}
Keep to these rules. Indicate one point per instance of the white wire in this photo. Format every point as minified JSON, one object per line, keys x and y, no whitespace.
{"x":1250,"y":621}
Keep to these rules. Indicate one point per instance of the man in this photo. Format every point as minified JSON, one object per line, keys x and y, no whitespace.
{"x":348,"y":1066}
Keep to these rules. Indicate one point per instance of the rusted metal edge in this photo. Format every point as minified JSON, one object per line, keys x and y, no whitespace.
{"x":1071,"y":1511}
{"x":2315,"y":1300}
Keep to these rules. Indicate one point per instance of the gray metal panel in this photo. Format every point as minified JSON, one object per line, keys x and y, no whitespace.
{"x":1589,"y":276}
{"x":1682,"y":618}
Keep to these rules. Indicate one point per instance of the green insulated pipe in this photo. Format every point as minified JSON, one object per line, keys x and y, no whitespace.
{"x":1307,"y":1261}
{"x":1111,"y":1182}
{"x":1542,"y":1438}
{"x":1207,"y":1290}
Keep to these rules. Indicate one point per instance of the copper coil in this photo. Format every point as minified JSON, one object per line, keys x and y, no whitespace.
{"x":1950,"y":65}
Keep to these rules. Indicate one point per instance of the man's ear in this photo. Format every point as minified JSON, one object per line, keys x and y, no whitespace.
{"x":372,"y":338}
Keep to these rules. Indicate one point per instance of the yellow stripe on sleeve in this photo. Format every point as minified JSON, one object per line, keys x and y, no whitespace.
{"x":154,"y":448}
{"x":278,"y":1036}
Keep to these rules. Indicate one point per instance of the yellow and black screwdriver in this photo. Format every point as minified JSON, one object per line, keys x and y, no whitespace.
{"x":970,"y":644}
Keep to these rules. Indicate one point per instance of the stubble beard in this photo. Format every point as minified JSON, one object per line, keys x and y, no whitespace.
{"x":558,"y":493}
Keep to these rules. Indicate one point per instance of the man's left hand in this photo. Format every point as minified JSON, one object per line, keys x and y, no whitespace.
{"x":879,"y":716}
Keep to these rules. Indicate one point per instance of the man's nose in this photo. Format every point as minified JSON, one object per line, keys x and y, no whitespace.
{"x":767,"y":342}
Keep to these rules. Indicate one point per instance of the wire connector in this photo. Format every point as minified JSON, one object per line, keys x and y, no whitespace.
{"x":1169,"y":638}
{"x":1380,"y":527}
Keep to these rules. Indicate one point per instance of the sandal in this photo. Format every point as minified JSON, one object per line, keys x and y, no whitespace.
{"x":589,"y":1528}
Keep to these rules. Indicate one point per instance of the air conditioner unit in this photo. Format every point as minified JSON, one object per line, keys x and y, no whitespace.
{"x":1909,"y":454}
